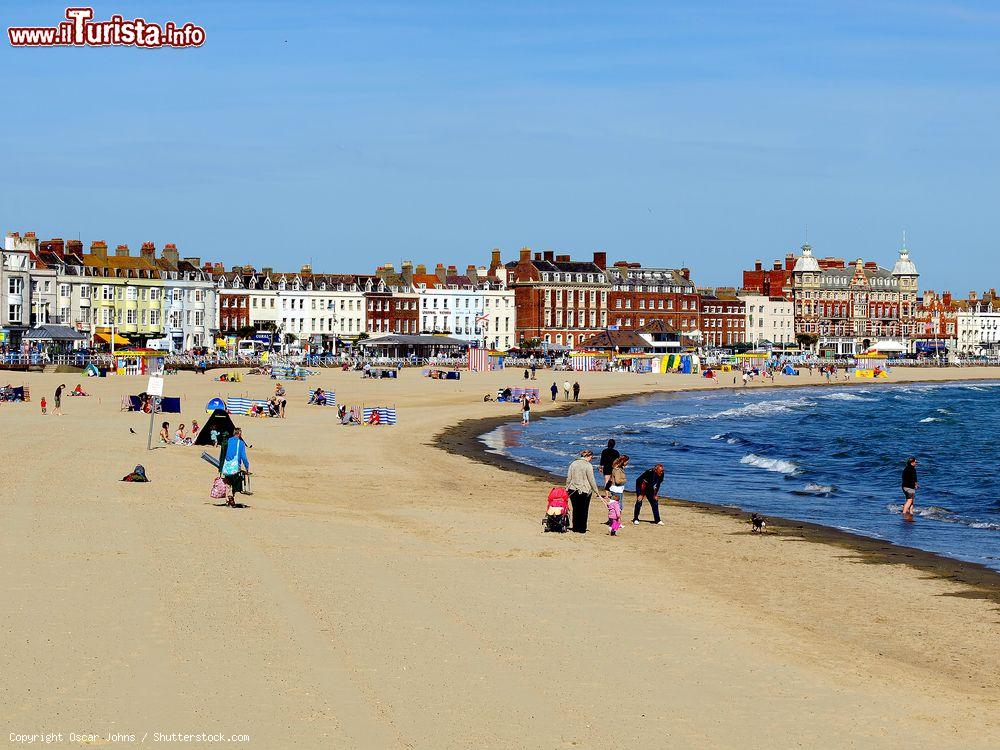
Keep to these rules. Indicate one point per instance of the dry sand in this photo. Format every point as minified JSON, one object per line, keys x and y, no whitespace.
{"x":381,"y":592}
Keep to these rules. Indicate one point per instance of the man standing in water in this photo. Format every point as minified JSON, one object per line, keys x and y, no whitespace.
{"x":909,"y":487}
{"x":608,"y":456}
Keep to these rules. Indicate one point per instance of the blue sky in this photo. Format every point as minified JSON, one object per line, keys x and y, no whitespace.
{"x":349,"y":134}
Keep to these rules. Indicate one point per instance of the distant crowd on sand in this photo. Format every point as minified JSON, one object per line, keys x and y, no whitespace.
{"x":569,"y":507}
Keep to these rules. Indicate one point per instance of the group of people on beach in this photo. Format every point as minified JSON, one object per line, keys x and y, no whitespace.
{"x":181,"y":436}
{"x":582,"y":486}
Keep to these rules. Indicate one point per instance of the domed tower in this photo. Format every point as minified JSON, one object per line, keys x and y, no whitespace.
{"x":806,"y":276}
{"x":904,"y":276}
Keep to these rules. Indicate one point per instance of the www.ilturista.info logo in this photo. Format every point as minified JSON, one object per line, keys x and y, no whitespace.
{"x":80,"y":30}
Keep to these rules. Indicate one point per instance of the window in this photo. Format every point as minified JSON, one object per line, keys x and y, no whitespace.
{"x":154,"y":293}
{"x":154,"y":317}
{"x":107,"y":292}
{"x":15,"y":285}
{"x":176,"y":295}
{"x":199,"y":295}
{"x":14,"y":312}
{"x":85,"y":292}
{"x":64,"y":290}
{"x":130,"y":317}
{"x":131,"y":293}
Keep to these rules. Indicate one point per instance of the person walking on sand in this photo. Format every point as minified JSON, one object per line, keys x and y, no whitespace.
{"x":234,"y":464}
{"x":909,"y":487}
{"x":57,"y":400}
{"x":576,"y":391}
{"x":566,"y":390}
{"x":525,"y":411}
{"x":42,"y":404}
{"x":646,"y":487}
{"x":608,"y":457}
{"x":279,"y":399}
{"x":581,"y":487}
{"x":555,"y":391}
{"x":533,"y":367}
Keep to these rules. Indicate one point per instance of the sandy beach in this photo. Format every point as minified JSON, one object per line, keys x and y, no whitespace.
{"x":389,"y":588}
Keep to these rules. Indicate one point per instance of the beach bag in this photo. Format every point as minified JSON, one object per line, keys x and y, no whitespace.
{"x":218,"y":489}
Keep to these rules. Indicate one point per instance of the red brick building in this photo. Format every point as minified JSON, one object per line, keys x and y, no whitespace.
{"x":936,"y":322}
{"x":641,"y":295}
{"x":234,"y":311}
{"x":390,"y":304}
{"x":771,"y":282}
{"x":557,"y":300}
{"x":723,"y":318}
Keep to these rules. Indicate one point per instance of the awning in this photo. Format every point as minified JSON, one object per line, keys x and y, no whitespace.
{"x":887,"y":346}
{"x":54,"y":332}
{"x":105,"y":338}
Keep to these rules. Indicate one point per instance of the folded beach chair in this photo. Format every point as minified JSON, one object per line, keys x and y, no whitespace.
{"x":126,"y":403}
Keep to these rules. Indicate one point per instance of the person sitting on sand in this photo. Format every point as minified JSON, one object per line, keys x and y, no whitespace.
{"x":165,"y":433}
{"x":78,"y":391}
{"x":181,"y":437}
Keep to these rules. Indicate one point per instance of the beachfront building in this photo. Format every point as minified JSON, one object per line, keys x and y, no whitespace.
{"x":450,"y":303}
{"x":848,"y":307}
{"x":640,"y":295}
{"x":44,"y":288}
{"x":497,"y":320}
{"x":774,"y":282}
{"x":978,"y":325}
{"x":768,"y":320}
{"x":126,"y":295}
{"x":391,"y":304}
{"x":304,"y":310}
{"x":189,"y":300}
{"x":936,"y":323}
{"x":723,"y":318}
{"x":558,"y":302}
{"x":15,"y":287}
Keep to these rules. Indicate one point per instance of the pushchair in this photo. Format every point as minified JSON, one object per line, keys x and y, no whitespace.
{"x":557,"y":512}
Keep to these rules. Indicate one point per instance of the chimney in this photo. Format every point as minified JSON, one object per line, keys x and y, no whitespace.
{"x":946,"y":299}
{"x":421,"y":269}
{"x":686,"y":273}
{"x":55,"y":245}
{"x":196,"y":262}
{"x":148,"y":251}
{"x":601,"y":260}
{"x":525,"y":254}
{"x":74,"y":246}
{"x":758,"y":265}
{"x":452,"y":271}
{"x":440,"y":271}
{"x":972,"y":296}
{"x":547,"y":255}
{"x":472,"y":272}
{"x":538,"y":256}
{"x":495,"y":261}
{"x":99,"y":248}
{"x":170,"y":253}
{"x":562,"y":258}
{"x":777,"y":265}
{"x":121,"y":251}
{"x":789,"y":261}
{"x":266,"y":270}
{"x":407,"y":272}
{"x":306,"y":269}
{"x":237,"y":269}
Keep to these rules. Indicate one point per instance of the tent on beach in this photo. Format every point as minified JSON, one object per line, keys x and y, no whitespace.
{"x":220,"y":422}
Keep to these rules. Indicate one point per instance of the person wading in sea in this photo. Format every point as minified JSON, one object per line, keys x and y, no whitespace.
{"x":909,"y":487}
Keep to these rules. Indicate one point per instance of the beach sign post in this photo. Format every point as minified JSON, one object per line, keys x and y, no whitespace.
{"x":154,"y":389}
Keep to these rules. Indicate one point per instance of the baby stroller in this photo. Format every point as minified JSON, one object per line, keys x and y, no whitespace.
{"x":557,"y":511}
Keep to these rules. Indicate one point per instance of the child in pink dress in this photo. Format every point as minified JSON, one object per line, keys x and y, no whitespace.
{"x":614,"y":515}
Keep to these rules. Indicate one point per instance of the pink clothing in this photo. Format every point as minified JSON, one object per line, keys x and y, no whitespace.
{"x":615,"y":515}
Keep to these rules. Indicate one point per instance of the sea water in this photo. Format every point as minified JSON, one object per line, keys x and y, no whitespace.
{"x":829,"y":455}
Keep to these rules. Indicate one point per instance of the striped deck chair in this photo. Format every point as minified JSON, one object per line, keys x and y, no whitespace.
{"x":126,"y":404}
{"x":331,"y":397}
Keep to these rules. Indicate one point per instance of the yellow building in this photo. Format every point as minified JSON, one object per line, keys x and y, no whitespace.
{"x":126,"y":293}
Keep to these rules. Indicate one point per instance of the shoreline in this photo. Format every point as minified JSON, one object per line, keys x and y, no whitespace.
{"x":465,"y":439}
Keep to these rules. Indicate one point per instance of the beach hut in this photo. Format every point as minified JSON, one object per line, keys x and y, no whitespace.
{"x":140,"y":361}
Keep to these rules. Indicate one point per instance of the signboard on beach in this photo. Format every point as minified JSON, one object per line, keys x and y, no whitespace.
{"x":155,"y":386}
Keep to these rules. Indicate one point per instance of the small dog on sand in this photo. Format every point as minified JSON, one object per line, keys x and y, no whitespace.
{"x":758,"y":524}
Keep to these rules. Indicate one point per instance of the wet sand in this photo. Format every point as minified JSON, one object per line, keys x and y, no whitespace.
{"x":382,"y":592}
